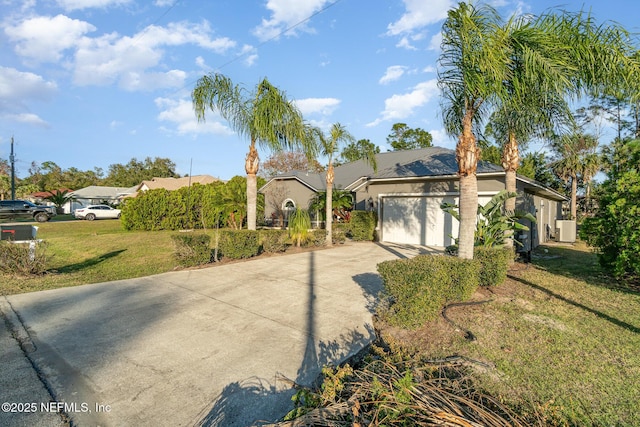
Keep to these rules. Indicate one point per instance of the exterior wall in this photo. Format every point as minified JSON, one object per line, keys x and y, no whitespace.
{"x":280,"y":191}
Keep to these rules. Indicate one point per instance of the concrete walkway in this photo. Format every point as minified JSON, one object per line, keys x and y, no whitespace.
{"x":200,"y":347}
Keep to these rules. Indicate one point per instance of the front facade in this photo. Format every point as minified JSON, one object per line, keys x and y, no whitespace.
{"x":407,"y":190}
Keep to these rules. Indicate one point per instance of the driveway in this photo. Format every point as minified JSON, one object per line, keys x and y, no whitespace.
{"x":212,"y":346}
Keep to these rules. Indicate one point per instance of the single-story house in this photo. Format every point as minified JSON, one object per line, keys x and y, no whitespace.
{"x":98,"y":194}
{"x":175,"y":183}
{"x":407,"y":190}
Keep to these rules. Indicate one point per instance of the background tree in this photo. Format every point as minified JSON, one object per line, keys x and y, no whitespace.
{"x":265,"y":116}
{"x":614,"y":230}
{"x":402,"y":137}
{"x":287,"y":161}
{"x":357,"y":150}
{"x":575,"y":154}
{"x":136,"y":171}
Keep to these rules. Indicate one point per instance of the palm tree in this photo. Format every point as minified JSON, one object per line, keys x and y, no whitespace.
{"x":539,"y":78}
{"x":329,"y":147}
{"x":265,"y":116}
{"x":574,"y":153}
{"x":473,"y":66}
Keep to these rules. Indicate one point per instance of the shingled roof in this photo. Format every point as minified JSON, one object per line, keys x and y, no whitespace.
{"x":424,"y":162}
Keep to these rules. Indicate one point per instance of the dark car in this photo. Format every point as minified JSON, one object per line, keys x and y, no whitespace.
{"x":15,"y":209}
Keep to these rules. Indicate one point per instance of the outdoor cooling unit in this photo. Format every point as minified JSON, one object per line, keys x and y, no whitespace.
{"x":565,"y":230}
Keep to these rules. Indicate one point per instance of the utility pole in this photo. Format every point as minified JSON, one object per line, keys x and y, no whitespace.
{"x":12,"y":160}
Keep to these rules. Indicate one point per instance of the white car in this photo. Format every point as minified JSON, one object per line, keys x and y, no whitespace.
{"x":92,"y":212}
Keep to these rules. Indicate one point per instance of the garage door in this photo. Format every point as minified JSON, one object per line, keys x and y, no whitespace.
{"x":419,"y":220}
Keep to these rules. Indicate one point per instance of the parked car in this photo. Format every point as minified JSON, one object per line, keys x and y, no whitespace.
{"x":14,"y":209}
{"x":92,"y":212}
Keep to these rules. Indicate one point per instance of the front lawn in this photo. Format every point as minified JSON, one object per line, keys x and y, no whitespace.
{"x":83,"y":252}
{"x":560,"y":338}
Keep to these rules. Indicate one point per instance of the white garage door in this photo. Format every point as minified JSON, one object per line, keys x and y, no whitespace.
{"x":419,"y":220}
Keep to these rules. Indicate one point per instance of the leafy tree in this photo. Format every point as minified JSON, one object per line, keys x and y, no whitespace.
{"x":361,"y":149}
{"x":5,"y":167}
{"x":5,"y":187}
{"x":614,"y":230}
{"x":265,"y":116}
{"x":402,"y":137}
{"x":136,"y":171}
{"x":329,"y":146}
{"x":287,"y":161}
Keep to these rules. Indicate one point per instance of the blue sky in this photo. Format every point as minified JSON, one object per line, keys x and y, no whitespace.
{"x":89,"y":83}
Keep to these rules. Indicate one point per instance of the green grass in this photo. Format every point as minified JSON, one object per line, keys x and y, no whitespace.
{"x":83,"y":252}
{"x":563,"y":339}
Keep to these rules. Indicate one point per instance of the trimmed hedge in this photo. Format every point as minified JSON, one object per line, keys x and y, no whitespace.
{"x":316,"y":238}
{"x":494,"y":263}
{"x":421,"y":286}
{"x":239,"y":244}
{"x":192,"y":249}
{"x":362,"y":225}
{"x":273,"y":241}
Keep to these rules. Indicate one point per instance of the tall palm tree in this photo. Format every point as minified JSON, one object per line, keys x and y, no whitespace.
{"x":574,"y":157}
{"x":329,"y":146}
{"x":472,"y":68}
{"x":265,"y":116}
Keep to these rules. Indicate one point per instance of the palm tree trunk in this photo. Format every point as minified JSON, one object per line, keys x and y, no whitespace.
{"x":574,"y":197}
{"x":251,"y":165}
{"x":329,"y":206}
{"x":467,"y":154}
{"x":510,"y":163}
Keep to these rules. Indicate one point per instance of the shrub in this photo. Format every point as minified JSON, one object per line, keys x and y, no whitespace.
{"x":299,"y":225}
{"x":23,"y":259}
{"x":339,"y":233}
{"x":238,"y":244}
{"x":192,"y":249}
{"x":420,"y":287}
{"x":494,"y":263}
{"x":316,"y":238}
{"x":273,"y":241}
{"x":362,"y":225}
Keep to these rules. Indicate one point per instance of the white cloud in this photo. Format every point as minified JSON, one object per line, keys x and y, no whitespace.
{"x":441,"y":139}
{"x":44,"y":39}
{"x":250,"y":53}
{"x":324,"y":106}
{"x":180,"y":113}
{"x":164,"y":3}
{"x":419,"y":13}
{"x":111,"y":58}
{"x":86,"y":4}
{"x":28,"y":118}
{"x":435,"y":42}
{"x":393,"y":73}
{"x":402,"y":106}
{"x":285,"y":14}
{"x":17,"y":86}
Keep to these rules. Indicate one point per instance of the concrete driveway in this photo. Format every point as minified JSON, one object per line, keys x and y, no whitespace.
{"x":200,"y":347}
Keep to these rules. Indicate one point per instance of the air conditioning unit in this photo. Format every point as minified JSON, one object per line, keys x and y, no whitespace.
{"x":566,"y":230}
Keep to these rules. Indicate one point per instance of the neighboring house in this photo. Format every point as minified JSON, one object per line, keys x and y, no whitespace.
{"x":407,"y":191}
{"x":175,"y":183}
{"x":40,"y":198}
{"x":97,"y":194}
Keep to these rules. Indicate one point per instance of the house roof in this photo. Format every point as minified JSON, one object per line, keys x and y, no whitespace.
{"x":176,"y":183}
{"x":398,"y":165}
{"x":99,"y":192}
{"x":43,"y":194}
{"x":424,"y":162}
